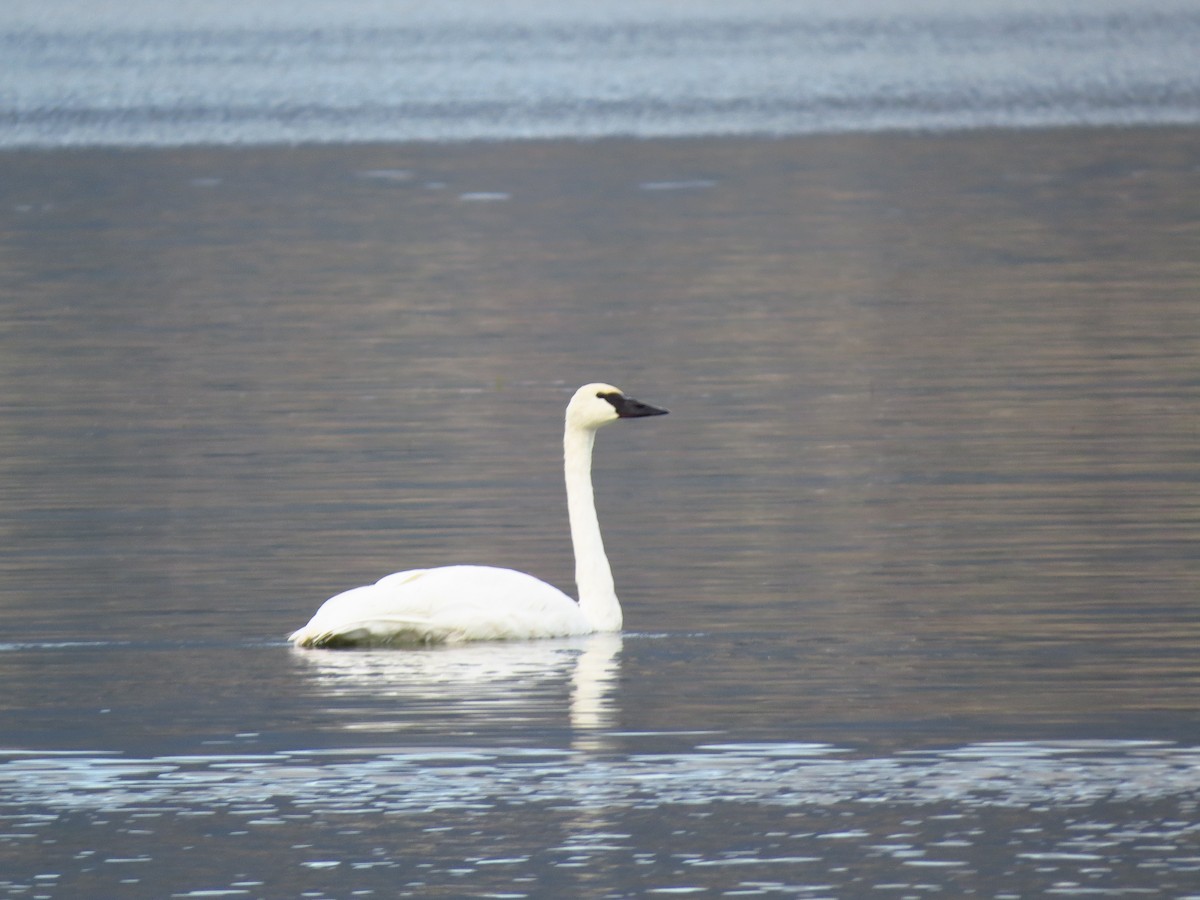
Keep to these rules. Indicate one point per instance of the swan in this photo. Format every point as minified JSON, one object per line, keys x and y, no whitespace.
{"x":480,"y":603}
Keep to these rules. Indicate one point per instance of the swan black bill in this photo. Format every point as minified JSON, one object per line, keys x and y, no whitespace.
{"x":628,"y":408}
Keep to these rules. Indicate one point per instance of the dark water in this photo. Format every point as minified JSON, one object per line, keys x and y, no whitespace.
{"x":910,"y":572}
{"x":142,"y":72}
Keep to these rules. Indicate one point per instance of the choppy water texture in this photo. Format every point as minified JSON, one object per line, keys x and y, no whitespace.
{"x":218,"y":71}
{"x":751,"y":820}
{"x":909,"y":572}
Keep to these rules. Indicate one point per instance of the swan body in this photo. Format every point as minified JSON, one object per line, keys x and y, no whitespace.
{"x":481,"y":603}
{"x":447,"y":604}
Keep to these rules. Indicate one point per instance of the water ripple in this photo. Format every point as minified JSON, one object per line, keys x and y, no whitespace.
{"x":397,"y":780}
{"x":737,"y":819}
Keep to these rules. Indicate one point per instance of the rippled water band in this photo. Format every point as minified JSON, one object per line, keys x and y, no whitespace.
{"x":1016,"y":775}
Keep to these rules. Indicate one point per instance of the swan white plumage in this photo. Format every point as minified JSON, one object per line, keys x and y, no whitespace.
{"x":480,"y":603}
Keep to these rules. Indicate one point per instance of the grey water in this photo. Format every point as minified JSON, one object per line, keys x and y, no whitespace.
{"x":77,"y":72}
{"x":910,"y":572}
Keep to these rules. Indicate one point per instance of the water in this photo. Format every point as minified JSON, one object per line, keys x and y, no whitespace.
{"x":909,"y":573}
{"x":217,"y":71}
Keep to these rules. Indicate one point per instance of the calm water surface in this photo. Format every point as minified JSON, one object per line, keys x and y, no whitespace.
{"x":910,"y":572}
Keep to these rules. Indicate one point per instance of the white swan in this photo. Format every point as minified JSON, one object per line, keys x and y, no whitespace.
{"x":480,"y":603}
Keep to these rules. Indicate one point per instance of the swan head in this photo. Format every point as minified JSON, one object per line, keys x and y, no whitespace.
{"x":598,"y":404}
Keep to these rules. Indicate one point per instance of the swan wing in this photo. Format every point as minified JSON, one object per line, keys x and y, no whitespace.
{"x":449,"y":604}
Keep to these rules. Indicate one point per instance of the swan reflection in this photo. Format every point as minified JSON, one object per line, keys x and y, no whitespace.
{"x":462,"y":687}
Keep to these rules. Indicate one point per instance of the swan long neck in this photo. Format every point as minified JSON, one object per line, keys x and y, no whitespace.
{"x":593,"y":576}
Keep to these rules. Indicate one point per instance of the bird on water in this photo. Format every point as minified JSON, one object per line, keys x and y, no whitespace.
{"x":480,"y":603}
